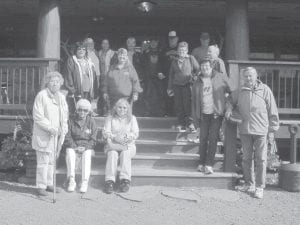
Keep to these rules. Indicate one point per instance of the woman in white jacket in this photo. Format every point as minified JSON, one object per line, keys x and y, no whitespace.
{"x":50,"y":116}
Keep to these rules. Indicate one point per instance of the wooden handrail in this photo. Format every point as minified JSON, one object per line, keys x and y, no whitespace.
{"x":250,"y":62}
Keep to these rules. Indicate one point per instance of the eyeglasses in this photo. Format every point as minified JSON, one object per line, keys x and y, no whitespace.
{"x":83,"y":110}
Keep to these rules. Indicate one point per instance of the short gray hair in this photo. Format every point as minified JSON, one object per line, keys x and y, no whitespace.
{"x":52,"y":74}
{"x":250,"y":68}
{"x":84,"y":103}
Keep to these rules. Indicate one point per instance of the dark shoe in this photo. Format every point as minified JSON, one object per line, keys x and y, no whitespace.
{"x":42,"y":192}
{"x":109,"y":187}
{"x":124,"y":185}
{"x":51,"y":189}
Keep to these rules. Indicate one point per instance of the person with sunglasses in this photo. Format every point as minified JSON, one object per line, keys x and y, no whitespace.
{"x":80,"y":140}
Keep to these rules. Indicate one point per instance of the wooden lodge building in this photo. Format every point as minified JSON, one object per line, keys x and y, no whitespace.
{"x":260,"y":33}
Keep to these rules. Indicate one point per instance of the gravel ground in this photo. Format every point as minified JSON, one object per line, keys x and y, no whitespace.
{"x":20,"y":206}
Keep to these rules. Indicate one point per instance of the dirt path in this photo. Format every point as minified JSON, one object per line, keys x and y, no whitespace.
{"x":20,"y":206}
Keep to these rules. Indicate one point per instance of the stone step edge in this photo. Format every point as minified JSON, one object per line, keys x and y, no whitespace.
{"x":149,"y":172}
{"x":167,"y":156}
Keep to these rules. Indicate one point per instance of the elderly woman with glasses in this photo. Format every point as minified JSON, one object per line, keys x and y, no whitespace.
{"x":50,"y":116}
{"x":120,"y":130}
{"x":80,"y":77}
{"x":80,"y":140}
{"x":121,"y":81}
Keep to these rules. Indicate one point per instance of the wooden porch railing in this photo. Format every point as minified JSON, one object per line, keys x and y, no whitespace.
{"x":282,"y":77}
{"x":21,"y":79}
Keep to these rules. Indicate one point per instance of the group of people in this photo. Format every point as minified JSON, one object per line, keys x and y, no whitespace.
{"x":55,"y":128}
{"x":197,"y":83}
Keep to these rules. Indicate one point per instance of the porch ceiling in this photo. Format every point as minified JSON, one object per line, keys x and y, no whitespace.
{"x":268,"y":18}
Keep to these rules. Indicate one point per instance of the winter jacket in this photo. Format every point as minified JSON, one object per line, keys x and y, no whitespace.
{"x":258,"y":110}
{"x":122,"y":82}
{"x":45,"y":116}
{"x":220,"y":84}
{"x":182,"y":76}
{"x":73,"y":78}
{"x":81,"y":134}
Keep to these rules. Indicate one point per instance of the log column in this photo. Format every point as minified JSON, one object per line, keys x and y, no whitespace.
{"x":48,"y":37}
{"x":236,"y":48}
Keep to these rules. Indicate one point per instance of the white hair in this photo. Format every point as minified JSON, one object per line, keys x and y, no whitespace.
{"x":84,"y":103}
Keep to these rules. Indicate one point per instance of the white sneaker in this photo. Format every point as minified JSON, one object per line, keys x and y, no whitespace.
{"x":201,"y":168}
{"x":84,"y":186}
{"x":259,"y":193}
{"x":72,"y":185}
{"x":209,"y":170}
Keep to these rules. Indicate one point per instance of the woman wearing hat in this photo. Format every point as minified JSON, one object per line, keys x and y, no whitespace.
{"x":121,"y":81}
{"x":80,"y":77}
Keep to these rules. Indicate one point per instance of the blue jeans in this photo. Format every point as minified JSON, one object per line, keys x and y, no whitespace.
{"x":209,"y":133}
{"x":256,"y":144}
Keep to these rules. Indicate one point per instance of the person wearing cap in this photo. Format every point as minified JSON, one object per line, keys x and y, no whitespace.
{"x":106,"y":56}
{"x":155,"y":92}
{"x":81,"y":141}
{"x":80,"y":77}
{"x":217,"y":63}
{"x":121,"y":81}
{"x":257,"y":108}
{"x":182,"y":71}
{"x":169,"y":54}
{"x":209,"y":104}
{"x":201,"y":52}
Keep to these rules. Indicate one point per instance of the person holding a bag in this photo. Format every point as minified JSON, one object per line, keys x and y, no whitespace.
{"x":120,"y":131}
{"x":80,"y":140}
{"x":50,"y":124}
{"x":181,"y":75}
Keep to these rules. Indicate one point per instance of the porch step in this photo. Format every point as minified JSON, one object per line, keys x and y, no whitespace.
{"x":163,"y":177}
{"x":148,"y":122}
{"x":167,"y":134}
{"x":158,"y":160}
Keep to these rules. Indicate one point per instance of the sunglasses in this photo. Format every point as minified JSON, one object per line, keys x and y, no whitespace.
{"x":83,"y":110}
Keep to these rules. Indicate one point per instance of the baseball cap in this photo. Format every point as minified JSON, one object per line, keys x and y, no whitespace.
{"x":172,"y":33}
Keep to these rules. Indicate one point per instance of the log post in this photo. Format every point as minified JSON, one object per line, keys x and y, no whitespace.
{"x":48,"y":36}
{"x":236,"y":48}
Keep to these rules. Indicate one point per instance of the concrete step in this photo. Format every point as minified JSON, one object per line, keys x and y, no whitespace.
{"x":167,"y":134}
{"x":158,"y":160}
{"x":163,"y":177}
{"x":148,"y":122}
{"x":167,"y":146}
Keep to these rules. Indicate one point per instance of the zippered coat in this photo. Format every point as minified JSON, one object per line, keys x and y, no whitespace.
{"x":220,"y":85}
{"x":258,"y":110}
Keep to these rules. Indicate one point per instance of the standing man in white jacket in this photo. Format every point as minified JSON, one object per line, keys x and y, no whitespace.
{"x":257,"y":108}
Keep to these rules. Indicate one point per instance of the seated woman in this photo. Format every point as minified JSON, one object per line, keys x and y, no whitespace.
{"x":80,"y":139}
{"x":120,"y":130}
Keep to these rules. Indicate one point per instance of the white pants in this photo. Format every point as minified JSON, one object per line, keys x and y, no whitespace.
{"x":44,"y":169}
{"x":85,"y":163}
{"x":125,"y":164}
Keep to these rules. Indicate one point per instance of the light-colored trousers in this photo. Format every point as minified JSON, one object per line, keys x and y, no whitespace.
{"x":44,"y":169}
{"x":124,"y":157}
{"x":85,"y":163}
{"x":254,"y":145}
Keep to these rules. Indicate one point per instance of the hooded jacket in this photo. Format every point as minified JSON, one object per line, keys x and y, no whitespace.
{"x":258,"y":110}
